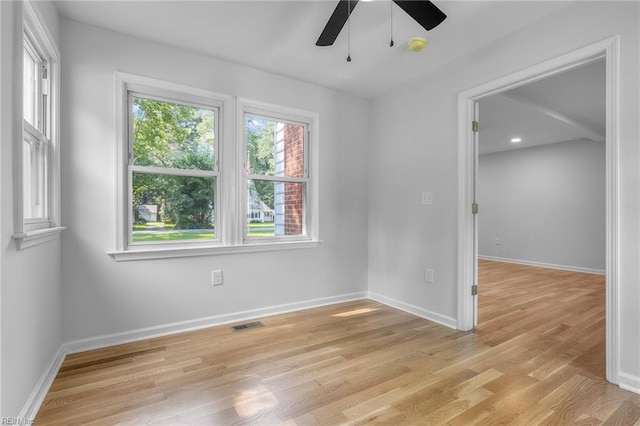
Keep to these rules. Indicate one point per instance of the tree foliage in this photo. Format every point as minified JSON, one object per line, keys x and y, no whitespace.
{"x":260,"y":150}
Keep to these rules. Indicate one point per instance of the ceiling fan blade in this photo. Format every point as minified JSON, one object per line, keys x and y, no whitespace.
{"x":336,"y":22}
{"x":424,"y":12}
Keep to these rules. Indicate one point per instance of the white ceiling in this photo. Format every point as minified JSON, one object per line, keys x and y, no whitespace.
{"x":564,"y":107}
{"x":279,"y":36}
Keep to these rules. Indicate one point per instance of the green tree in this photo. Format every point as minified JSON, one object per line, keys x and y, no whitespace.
{"x":260,"y":150}
{"x":190,"y":202}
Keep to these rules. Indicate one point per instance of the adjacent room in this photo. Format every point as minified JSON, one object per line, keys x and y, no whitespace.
{"x":298,"y":170}
{"x":541,"y":227}
{"x":541,"y":175}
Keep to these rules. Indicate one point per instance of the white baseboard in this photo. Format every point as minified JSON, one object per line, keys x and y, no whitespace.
{"x":200,"y":323}
{"x":544,"y":265}
{"x":629,"y":382}
{"x":31,"y":407}
{"x":415,"y":310}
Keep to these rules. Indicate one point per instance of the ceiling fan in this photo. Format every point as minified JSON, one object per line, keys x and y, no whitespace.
{"x":423,"y":12}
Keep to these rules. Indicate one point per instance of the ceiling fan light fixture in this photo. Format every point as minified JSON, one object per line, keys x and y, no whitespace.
{"x":423,"y":12}
{"x":416,"y":44}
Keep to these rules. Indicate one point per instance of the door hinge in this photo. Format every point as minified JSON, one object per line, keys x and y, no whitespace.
{"x":474,"y":208}
{"x":475,"y":126}
{"x":474,"y":290}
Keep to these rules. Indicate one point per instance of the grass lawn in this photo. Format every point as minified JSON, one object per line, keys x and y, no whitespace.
{"x":174,"y":236}
{"x":261,"y":230}
{"x":255,"y":230}
{"x":150,"y":226}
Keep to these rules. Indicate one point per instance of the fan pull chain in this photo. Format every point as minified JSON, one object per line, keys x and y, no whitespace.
{"x":391,"y":21}
{"x":349,"y":31}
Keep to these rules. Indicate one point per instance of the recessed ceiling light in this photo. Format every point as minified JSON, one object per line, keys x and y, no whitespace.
{"x":516,"y":140}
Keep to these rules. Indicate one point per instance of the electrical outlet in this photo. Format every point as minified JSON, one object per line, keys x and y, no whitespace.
{"x":216,"y":277}
{"x":428,"y":275}
{"x":497,"y":241}
{"x":427,"y":198}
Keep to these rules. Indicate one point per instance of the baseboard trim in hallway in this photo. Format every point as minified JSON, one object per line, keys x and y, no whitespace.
{"x":544,"y":265}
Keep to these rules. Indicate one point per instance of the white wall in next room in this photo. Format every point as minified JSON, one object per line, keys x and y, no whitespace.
{"x":544,"y":204}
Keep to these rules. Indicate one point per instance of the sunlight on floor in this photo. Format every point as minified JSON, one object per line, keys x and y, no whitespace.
{"x":253,"y":401}
{"x":356,"y":312}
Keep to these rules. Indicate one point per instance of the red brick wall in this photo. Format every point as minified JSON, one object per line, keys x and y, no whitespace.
{"x":294,"y":167}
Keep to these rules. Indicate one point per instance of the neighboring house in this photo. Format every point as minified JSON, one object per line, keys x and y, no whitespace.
{"x":148,"y":212}
{"x":257,"y":210}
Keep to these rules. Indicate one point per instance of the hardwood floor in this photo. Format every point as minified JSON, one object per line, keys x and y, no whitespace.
{"x":537,"y":357}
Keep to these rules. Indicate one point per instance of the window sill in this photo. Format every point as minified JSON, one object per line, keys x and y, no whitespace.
{"x":33,"y":238}
{"x":173,"y":252}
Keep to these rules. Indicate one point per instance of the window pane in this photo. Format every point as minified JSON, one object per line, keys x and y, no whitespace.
{"x":34,"y":178}
{"x":172,"y":135}
{"x":27,"y":168}
{"x":275,"y":208}
{"x":274,"y":148}
{"x":30,"y":89}
{"x":40,"y":178}
{"x":170,"y":208}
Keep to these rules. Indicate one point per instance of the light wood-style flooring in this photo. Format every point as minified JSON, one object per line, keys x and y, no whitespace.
{"x":537,"y":357}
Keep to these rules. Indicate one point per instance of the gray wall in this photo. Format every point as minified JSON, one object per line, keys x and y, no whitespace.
{"x":31,"y":304}
{"x":545,"y":204}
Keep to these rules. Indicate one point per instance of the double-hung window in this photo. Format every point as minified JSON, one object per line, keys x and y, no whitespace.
{"x":276,"y":177}
{"x":39,"y":193}
{"x":173,"y":169}
{"x":36,"y":136}
{"x":169,"y":174}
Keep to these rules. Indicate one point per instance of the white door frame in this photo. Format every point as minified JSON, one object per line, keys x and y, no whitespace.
{"x":608,"y":49}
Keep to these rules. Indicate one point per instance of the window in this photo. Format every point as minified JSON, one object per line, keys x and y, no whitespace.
{"x":38,"y":195}
{"x":173,"y":171}
{"x":196,"y":179}
{"x":35,"y":142}
{"x":276,"y":177}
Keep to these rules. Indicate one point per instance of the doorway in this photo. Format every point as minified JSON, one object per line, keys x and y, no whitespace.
{"x":541,"y":188}
{"x":467,"y":220}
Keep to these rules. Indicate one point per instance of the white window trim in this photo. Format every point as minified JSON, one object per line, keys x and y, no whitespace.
{"x":25,"y":235}
{"x":229,"y":215}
